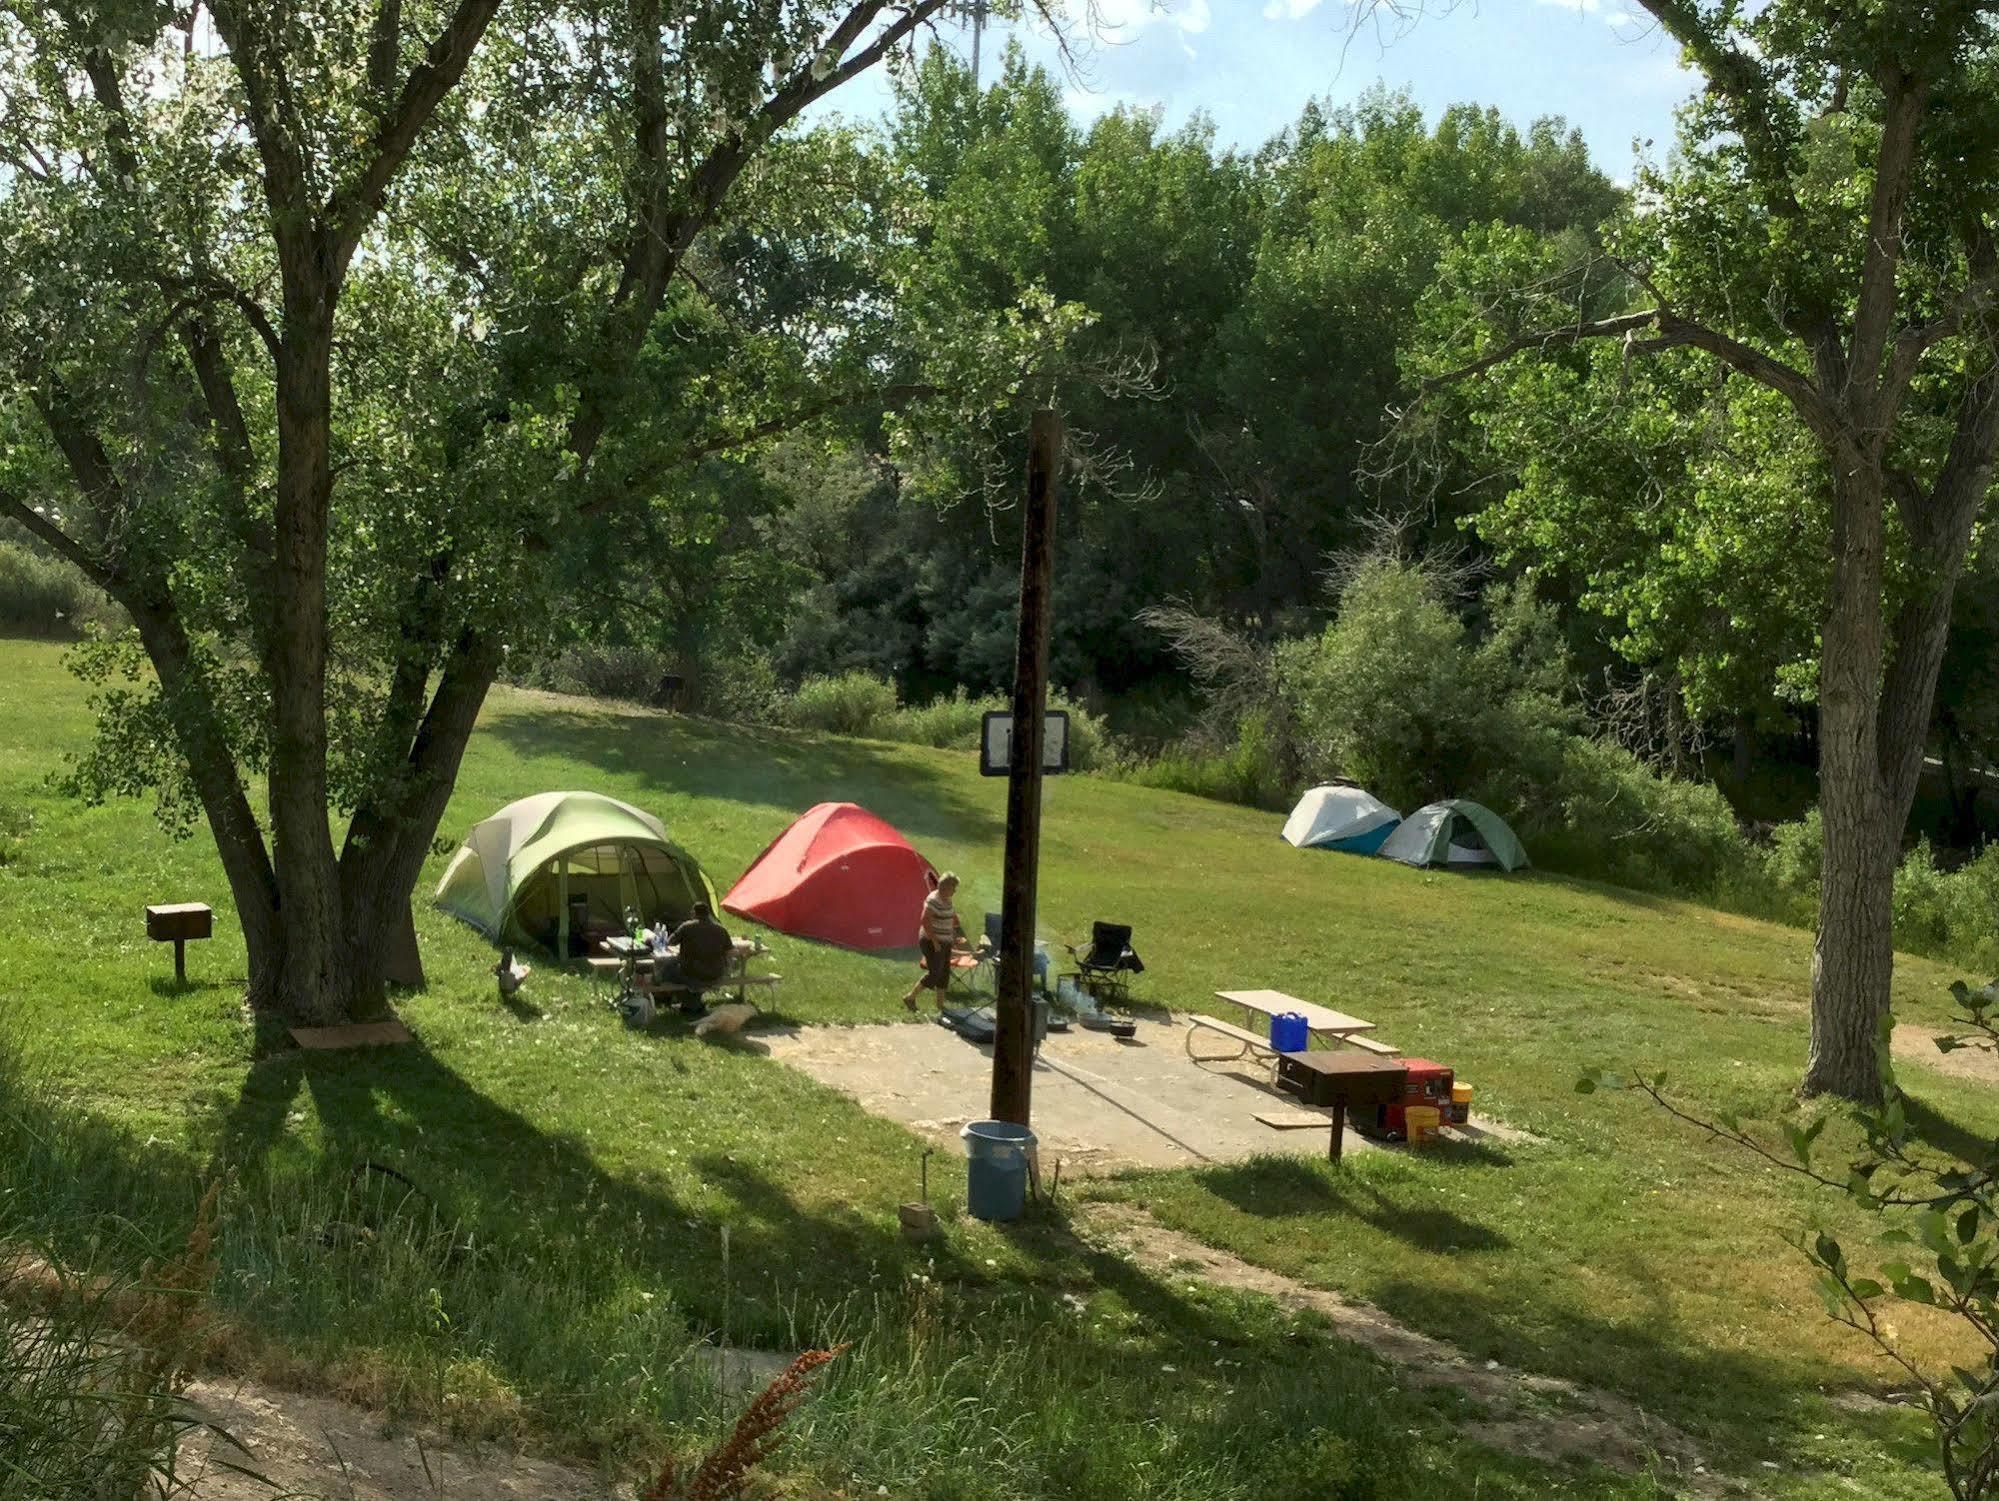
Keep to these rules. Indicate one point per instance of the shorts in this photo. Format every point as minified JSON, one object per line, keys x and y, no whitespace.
{"x":936,"y":963}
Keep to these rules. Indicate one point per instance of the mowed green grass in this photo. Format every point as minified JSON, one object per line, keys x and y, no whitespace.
{"x":578,"y":1178}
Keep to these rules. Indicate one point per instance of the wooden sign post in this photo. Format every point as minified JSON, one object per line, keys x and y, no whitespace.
{"x":1013,"y":1043}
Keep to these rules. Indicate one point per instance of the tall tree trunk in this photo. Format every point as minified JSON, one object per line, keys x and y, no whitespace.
{"x":313,"y":987}
{"x":212,"y":764}
{"x":1853,"y":959}
{"x":386,"y":846}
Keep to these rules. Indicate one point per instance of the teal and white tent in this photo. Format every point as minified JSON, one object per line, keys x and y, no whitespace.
{"x":1458,"y":833}
{"x":1340,"y":817}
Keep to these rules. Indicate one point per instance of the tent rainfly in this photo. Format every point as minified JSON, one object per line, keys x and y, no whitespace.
{"x":841,"y":875}
{"x":565,"y":863}
{"x":1457,"y":833}
{"x":1340,"y":817}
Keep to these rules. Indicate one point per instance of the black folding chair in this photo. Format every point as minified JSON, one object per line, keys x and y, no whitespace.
{"x":1105,"y":967}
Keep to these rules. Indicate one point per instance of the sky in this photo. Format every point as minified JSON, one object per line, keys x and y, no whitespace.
{"x":1251,"y":65}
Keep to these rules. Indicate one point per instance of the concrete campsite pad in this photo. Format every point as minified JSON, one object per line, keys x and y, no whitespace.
{"x":1100,"y":1105}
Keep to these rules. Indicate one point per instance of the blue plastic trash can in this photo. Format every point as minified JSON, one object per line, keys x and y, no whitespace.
{"x":996,"y":1174}
{"x":1289,"y":1032}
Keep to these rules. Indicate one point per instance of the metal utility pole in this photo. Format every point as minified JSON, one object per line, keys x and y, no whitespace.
{"x":1013,"y":1042}
{"x":974,"y":12}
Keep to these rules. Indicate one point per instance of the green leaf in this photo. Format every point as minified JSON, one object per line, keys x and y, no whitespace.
{"x":1585,"y":1085}
{"x":1967,"y":1226}
{"x":1932,"y":1231}
{"x":1864,"y":1288}
{"x":1829,"y":1253}
{"x":1916,"y":1290}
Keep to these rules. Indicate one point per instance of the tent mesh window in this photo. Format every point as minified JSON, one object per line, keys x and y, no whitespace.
{"x":601,"y":883}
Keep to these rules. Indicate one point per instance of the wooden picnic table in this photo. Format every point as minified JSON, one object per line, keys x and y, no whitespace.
{"x":1322,"y":1021}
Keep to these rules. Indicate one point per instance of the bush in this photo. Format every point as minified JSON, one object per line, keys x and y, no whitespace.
{"x":1609,"y":816}
{"x":631,"y":673}
{"x":1395,"y":695}
{"x":44,"y":596}
{"x":954,"y":722}
{"x":1791,"y":868}
{"x":1090,"y":745}
{"x":854,"y":703}
{"x":950,"y":723}
{"x":1249,"y":772}
{"x":1948,"y":914}
{"x":743,"y":688}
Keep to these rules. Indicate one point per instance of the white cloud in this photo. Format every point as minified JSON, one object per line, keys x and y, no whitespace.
{"x":1132,"y":16}
{"x":1289,"y":10}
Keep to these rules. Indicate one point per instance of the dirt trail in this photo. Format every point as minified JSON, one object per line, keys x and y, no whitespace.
{"x":1537,"y":1417}
{"x":332,"y":1450}
{"x":1914,"y":1044}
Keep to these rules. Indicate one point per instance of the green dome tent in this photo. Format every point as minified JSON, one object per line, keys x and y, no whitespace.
{"x":569,"y":863}
{"x":1458,"y":833}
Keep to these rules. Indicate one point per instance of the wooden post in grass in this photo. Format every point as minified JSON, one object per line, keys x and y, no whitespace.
{"x":1013,"y":1042}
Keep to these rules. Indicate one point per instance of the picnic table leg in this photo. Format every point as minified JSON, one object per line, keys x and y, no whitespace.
{"x":1337,"y":1141}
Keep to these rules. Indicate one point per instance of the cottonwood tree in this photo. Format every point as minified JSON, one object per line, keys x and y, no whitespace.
{"x":322,"y":329}
{"x":1825,"y":231}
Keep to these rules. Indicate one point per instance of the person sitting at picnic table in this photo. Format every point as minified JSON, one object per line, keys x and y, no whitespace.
{"x":700,"y":950}
{"x":938,"y":931}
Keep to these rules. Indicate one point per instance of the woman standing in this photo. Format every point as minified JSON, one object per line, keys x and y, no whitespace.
{"x":938,"y":932}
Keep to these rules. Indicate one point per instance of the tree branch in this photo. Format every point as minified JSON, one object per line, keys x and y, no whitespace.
{"x":1874,"y":310}
{"x":1624,"y":325}
{"x":1672,"y":331}
{"x":267,"y":94}
{"x":98,"y":572}
{"x":891,"y":398}
{"x":1917,"y":340}
{"x":665,"y":231}
{"x":350,"y":209}
{"x":1750,"y":92}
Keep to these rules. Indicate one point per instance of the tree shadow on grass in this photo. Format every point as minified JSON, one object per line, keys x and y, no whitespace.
{"x":1742,"y":1405}
{"x":517,"y":1189}
{"x":781,"y":768}
{"x":1938,"y":1131}
{"x":1271,"y":1187}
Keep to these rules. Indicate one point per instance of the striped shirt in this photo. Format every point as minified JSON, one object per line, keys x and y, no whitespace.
{"x":940,"y":920}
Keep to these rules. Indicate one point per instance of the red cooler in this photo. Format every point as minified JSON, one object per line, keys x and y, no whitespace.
{"x":1428,"y":1084}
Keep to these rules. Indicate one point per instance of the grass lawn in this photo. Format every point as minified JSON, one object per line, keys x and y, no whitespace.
{"x":593,"y":1200}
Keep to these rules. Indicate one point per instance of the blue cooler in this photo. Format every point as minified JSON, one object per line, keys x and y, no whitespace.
{"x":1289,"y":1033}
{"x":996,"y":1171}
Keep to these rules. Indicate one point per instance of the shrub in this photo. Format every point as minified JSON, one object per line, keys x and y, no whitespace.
{"x":854,"y":703}
{"x":1396,"y":695}
{"x":950,"y":723}
{"x":1791,"y":867}
{"x":1249,"y":771}
{"x":1090,"y":745}
{"x":41,"y":595}
{"x":743,"y":687}
{"x":1948,"y":914}
{"x":1608,"y":815}
{"x":953,"y":722}
{"x":632,"y":673}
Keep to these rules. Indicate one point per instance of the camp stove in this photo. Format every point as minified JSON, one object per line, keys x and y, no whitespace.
{"x":1425,"y":1083}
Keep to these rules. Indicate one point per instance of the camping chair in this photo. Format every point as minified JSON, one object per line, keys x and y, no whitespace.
{"x":1104,"y":967}
{"x":988,"y":955}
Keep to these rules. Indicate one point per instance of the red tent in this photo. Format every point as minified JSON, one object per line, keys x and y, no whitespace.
{"x":839,"y":874}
